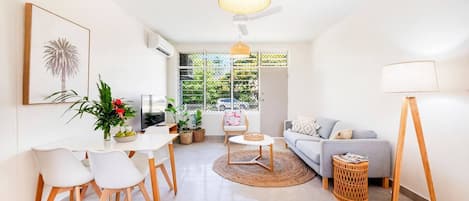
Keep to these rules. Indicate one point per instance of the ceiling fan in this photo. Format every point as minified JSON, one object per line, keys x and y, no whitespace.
{"x":241,"y":20}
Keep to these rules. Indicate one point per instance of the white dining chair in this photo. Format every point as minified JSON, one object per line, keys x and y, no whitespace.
{"x":161,"y":155}
{"x":61,"y":170}
{"x":115,"y":172}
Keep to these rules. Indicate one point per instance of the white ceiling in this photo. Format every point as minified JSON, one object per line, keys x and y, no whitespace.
{"x":204,"y":21}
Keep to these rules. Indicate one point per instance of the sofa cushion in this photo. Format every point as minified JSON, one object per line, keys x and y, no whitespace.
{"x":307,"y":127}
{"x":310,"y":149}
{"x":326,"y":126}
{"x":234,"y":128}
{"x":340,"y":125}
{"x":364,"y":134}
{"x":293,"y":137}
{"x":342,"y":135}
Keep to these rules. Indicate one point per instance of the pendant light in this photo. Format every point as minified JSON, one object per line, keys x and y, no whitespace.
{"x":240,"y":50}
{"x":244,"y":6}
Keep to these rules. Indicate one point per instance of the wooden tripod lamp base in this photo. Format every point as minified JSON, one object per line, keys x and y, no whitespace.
{"x":412,"y":103}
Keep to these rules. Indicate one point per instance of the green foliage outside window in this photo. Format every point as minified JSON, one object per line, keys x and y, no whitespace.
{"x":209,"y":75}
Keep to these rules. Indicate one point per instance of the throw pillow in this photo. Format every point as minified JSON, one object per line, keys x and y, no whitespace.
{"x":307,"y":127}
{"x":232,"y":118}
{"x":308,"y":118}
{"x":342,"y":135}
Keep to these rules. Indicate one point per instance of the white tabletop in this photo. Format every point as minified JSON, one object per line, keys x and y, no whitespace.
{"x":92,"y":142}
{"x":240,"y":140}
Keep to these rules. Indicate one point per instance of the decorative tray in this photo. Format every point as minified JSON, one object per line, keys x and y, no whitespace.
{"x":253,"y":137}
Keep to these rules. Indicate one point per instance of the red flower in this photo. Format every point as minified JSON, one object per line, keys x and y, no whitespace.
{"x":118,"y":102}
{"x":120,"y":112}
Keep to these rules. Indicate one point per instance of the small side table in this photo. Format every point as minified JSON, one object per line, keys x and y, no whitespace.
{"x":350,"y":180}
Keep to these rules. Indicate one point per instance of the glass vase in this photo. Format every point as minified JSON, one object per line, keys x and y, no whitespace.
{"x":107,"y":136}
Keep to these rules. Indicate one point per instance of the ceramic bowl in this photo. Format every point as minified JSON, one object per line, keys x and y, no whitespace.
{"x":125,"y":139}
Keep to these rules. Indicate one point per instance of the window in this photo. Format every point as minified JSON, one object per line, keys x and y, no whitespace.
{"x":217,"y":82}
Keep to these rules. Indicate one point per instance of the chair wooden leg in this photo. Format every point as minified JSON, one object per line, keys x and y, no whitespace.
{"x":144,"y":191}
{"x":53,"y":194}
{"x":96,"y":188}
{"x":128,"y":194}
{"x":118,"y":196}
{"x":83,"y":191}
{"x":166,"y":176}
{"x":226,"y":138}
{"x":40,"y":187}
{"x":386,"y":182}
{"x":76,"y":190}
{"x":104,"y":195}
{"x":71,"y":195}
{"x":325,"y":183}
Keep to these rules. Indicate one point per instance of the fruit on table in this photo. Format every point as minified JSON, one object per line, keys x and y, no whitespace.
{"x":125,"y":133}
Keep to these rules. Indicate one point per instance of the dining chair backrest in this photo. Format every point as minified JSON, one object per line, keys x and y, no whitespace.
{"x":60,"y":168}
{"x":114,"y":170}
{"x":162,"y":154}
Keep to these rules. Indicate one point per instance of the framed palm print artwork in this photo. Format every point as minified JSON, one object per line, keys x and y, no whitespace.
{"x":56,"y":56}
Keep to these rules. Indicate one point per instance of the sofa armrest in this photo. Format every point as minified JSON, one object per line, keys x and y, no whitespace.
{"x":378,"y":151}
{"x":287,"y":124}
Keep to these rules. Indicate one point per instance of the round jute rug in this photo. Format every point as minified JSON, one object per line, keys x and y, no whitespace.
{"x":289,"y":170}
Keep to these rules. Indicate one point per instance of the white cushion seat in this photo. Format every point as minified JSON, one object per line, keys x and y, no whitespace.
{"x":235,"y":128}
{"x":141,"y":163}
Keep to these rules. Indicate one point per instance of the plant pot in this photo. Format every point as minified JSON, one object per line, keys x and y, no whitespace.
{"x":185,"y":137}
{"x":199,"y":135}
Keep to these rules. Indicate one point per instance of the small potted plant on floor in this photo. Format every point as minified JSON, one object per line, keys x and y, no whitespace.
{"x":199,"y":132}
{"x":185,"y":133}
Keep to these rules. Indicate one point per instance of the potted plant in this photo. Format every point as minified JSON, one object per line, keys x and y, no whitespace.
{"x":171,"y":110}
{"x":107,"y":111}
{"x":185,"y":133}
{"x":198,"y":132}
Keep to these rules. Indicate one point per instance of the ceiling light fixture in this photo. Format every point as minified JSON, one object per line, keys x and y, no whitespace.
{"x":240,"y":50}
{"x":244,"y":6}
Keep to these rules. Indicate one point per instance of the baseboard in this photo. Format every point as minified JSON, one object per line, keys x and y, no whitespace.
{"x":409,"y":193}
{"x":215,"y":138}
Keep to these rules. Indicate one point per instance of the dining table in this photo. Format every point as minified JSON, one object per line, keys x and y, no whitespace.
{"x":145,"y":143}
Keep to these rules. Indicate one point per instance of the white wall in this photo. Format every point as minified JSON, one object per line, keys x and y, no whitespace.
{"x":347,"y":62}
{"x":118,"y":53}
{"x":299,"y":73}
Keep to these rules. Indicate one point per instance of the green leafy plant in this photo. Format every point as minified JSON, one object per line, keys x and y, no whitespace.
{"x":198,"y":119}
{"x":108,"y":112}
{"x":182,"y":118}
{"x":171,"y":108}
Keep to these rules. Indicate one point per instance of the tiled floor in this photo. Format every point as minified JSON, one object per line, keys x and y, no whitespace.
{"x":197,"y":181}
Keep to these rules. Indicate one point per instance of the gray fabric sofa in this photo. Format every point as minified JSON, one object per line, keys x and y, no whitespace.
{"x":317,"y":152}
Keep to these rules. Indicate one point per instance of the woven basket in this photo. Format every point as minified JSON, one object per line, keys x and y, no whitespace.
{"x":253,"y":137}
{"x":350,"y":180}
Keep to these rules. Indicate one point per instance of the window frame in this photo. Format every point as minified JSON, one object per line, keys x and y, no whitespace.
{"x":232,"y":67}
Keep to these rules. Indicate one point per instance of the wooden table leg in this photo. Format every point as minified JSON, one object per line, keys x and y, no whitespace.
{"x":154,"y":180}
{"x":228,"y":154}
{"x":173,"y":167}
{"x":271,"y":157}
{"x":260,"y":151}
{"x":40,"y":187}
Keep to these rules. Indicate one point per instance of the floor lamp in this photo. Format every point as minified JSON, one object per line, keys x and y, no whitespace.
{"x":410,"y":78}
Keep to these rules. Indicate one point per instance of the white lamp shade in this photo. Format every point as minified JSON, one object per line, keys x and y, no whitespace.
{"x":410,"y":77}
{"x":244,"y":6}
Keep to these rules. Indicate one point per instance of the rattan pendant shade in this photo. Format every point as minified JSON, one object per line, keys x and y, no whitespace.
{"x":240,"y":49}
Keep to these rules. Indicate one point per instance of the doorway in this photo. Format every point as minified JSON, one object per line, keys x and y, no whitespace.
{"x":274,"y":100}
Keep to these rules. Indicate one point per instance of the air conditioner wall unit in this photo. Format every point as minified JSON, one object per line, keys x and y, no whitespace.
{"x":157,"y":42}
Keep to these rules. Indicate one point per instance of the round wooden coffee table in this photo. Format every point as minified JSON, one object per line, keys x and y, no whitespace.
{"x":268,"y":141}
